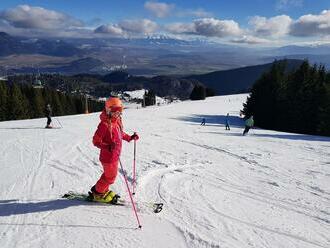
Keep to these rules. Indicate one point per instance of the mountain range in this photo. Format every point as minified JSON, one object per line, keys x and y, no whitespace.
{"x":149,"y":56}
{"x":15,"y":45}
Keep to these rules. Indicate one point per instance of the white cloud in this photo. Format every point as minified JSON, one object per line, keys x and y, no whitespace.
{"x":159,"y":9}
{"x":110,"y":29}
{"x":37,"y":21}
{"x":128,"y":27}
{"x":180,"y":28}
{"x":250,"y":40}
{"x":143,"y":26}
{"x":286,"y":4}
{"x":199,"y":13}
{"x":312,"y":25}
{"x":208,"y":27}
{"x":275,"y":26}
{"x":216,"y":28}
{"x":27,"y":17}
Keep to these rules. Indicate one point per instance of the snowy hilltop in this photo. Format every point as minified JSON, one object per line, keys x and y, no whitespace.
{"x":219,"y":188}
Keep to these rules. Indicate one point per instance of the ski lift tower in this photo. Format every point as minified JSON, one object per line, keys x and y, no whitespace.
{"x":37,"y":84}
{"x":124,"y":66}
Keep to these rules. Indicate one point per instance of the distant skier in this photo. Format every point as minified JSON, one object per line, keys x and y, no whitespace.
{"x":48,"y":113}
{"x":248,"y":124}
{"x":108,"y":137}
{"x":227,"y":122}
{"x":203,"y":122}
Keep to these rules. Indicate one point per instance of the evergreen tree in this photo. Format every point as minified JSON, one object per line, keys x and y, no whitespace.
{"x":209,"y":92}
{"x":324,"y":113}
{"x":3,"y":101}
{"x":198,"y":93}
{"x":79,"y":104}
{"x":46,"y":94}
{"x":18,"y":104}
{"x":70,"y":106}
{"x":56,"y":104}
{"x":149,"y":98}
{"x":295,"y":101}
{"x":37,"y":103}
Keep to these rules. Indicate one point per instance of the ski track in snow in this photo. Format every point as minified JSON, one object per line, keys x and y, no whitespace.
{"x":219,"y":189}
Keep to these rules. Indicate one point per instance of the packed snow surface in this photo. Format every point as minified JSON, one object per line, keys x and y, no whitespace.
{"x":219,"y":188}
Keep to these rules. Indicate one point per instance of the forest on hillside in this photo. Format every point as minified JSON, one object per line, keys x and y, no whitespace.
{"x":295,"y":101}
{"x":100,"y":85}
{"x":19,"y":101}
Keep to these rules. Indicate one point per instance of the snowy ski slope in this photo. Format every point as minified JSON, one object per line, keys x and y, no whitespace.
{"x":220,"y":189}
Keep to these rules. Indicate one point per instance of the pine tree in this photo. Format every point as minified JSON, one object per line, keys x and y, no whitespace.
{"x":18,"y":104}
{"x":56,"y":104}
{"x":3,"y":101}
{"x":265,"y":101}
{"x":209,"y":92}
{"x":79,"y":104}
{"x":37,"y":103}
{"x":295,"y":101}
{"x":198,"y":93}
{"x":149,"y":98}
{"x":324,"y":111}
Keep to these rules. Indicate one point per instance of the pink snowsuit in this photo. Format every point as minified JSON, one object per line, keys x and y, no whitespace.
{"x":108,"y":137}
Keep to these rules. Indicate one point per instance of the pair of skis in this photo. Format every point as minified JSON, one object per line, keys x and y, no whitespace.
{"x":156,"y":207}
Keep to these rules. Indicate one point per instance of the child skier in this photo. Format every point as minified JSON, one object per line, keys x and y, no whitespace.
{"x":108,"y":137}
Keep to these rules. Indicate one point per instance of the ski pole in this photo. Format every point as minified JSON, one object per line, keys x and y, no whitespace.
{"x":130,"y":194}
{"x":58,"y":122}
{"x":134,"y":174}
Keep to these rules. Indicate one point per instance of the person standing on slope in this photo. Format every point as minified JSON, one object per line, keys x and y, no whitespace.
{"x":108,"y":138}
{"x":48,"y":113}
{"x":248,"y":124}
{"x":227,"y":122}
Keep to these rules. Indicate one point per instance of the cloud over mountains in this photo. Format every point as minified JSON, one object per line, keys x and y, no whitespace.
{"x":25,"y":16}
{"x":38,"y":21}
{"x":159,"y":9}
{"x":312,"y":25}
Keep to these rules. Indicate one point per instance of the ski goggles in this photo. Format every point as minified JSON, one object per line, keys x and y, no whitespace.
{"x":114,"y":111}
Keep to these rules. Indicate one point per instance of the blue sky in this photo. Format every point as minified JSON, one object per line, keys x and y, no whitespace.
{"x":251,"y":22}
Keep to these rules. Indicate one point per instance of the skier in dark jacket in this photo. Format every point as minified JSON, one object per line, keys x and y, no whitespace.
{"x":48,"y":112}
{"x":227,"y":122}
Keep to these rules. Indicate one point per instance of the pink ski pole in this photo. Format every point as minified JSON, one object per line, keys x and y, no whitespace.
{"x":134,"y":174}
{"x":130,"y":195}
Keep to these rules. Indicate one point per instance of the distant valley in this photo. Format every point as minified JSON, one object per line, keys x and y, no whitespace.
{"x":166,"y":65}
{"x":150,"y":56}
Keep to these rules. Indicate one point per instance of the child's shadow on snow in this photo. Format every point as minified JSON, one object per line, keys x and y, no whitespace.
{"x":14,"y":207}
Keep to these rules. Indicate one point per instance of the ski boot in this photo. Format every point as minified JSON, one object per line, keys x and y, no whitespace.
{"x":106,"y":197}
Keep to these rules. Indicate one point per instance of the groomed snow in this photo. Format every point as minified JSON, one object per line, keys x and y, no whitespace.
{"x":219,"y":189}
